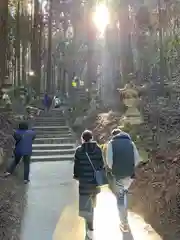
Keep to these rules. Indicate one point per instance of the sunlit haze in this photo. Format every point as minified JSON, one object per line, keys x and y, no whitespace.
{"x":101,"y":17}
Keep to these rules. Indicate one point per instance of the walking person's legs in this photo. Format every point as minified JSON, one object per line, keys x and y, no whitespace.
{"x":26,"y":160}
{"x":13,"y":165}
{"x":121,"y":195}
{"x":89,"y":230}
{"x":86,"y":210}
{"x":90,"y":223}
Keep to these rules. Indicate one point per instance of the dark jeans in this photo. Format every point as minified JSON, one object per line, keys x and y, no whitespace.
{"x":17,"y":159}
{"x":46,"y":108}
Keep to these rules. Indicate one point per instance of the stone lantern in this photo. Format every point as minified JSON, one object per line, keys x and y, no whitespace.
{"x":130,"y":98}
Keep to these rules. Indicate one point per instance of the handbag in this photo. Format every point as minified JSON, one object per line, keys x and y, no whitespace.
{"x":99,"y":175}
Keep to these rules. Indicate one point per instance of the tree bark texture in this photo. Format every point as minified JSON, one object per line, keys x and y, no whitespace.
{"x":3,"y":38}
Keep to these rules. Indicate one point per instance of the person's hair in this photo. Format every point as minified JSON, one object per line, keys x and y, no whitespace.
{"x":115,"y":131}
{"x":23,"y":125}
{"x":87,"y":135}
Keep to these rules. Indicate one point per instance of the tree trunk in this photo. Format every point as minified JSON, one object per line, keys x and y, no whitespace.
{"x":125,"y":41}
{"x":3,"y":38}
{"x":49,"y":61}
{"x":18,"y":44}
{"x":40,"y":51}
{"x":23,"y":74}
{"x":14,"y":64}
{"x":63,"y":81}
{"x":59,"y":76}
{"x":35,"y":50}
{"x":161,"y":47}
{"x":91,"y":38}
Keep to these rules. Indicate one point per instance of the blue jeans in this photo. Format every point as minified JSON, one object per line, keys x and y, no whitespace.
{"x":16,"y":161}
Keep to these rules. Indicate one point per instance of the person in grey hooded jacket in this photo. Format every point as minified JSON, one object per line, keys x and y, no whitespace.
{"x":121,"y":158}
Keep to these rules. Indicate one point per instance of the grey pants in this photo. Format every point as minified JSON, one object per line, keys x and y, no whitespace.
{"x":86,"y":209}
{"x":121,"y":194}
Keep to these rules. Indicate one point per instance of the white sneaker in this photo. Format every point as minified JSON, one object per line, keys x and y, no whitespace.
{"x":89,"y":234}
{"x":26,"y":181}
{"x":7,"y":174}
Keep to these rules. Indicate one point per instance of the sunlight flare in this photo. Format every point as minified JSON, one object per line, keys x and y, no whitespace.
{"x":106,"y":221}
{"x":101,"y":17}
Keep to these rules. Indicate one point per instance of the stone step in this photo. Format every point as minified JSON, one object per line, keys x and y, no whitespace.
{"x":51,"y":117}
{"x":53,"y":112}
{"x":52,"y":152}
{"x":55,"y":132}
{"x":56,"y":129}
{"x":40,"y":123}
{"x":51,"y":140}
{"x":50,"y":158}
{"x":54,"y":146}
{"x":60,"y":129}
{"x":51,"y":127}
{"x":49,"y":123}
{"x":52,"y":120}
{"x":53,"y":135}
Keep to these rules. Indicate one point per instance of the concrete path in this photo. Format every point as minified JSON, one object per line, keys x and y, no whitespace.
{"x":51,"y":211}
{"x":51,"y":190}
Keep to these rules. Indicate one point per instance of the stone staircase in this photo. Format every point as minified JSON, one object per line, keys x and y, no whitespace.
{"x":82,"y":94}
{"x":54,"y":139}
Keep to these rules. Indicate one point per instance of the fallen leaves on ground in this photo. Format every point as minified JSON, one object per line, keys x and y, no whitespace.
{"x":12,"y":202}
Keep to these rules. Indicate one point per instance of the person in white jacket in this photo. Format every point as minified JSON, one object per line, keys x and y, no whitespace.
{"x":122,"y":157}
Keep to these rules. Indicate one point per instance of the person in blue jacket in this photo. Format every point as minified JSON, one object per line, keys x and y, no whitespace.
{"x":47,"y":101}
{"x":23,"y":149}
